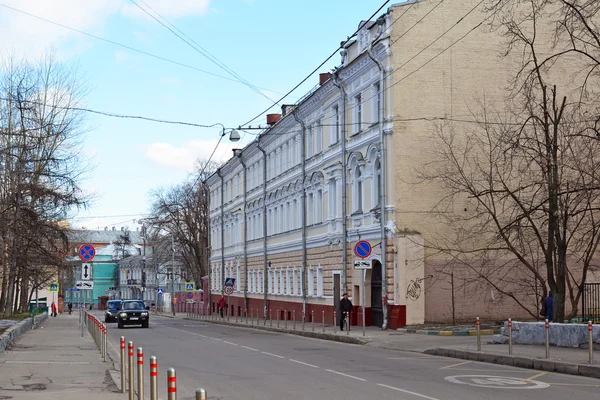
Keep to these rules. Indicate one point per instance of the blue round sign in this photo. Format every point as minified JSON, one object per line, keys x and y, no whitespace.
{"x":362,"y":249}
{"x":87,"y":252}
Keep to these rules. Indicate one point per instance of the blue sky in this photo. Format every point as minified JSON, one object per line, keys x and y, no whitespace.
{"x":272,"y":44}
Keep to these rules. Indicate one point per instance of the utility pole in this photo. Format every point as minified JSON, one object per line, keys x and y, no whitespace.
{"x":172,"y":275}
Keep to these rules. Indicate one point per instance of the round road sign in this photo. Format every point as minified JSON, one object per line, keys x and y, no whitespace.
{"x":190,"y":295}
{"x":228,"y":290}
{"x":496,"y":382}
{"x":362,"y":249}
{"x":87,"y":252}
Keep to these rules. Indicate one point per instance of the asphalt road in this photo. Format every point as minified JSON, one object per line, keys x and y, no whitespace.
{"x":239,"y":363}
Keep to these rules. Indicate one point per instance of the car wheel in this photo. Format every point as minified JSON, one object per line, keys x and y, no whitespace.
{"x":106,"y":319}
{"x":145,"y":324}
{"x":120,"y":325}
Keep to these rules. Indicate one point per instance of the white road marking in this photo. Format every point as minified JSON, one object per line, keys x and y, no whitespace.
{"x":218,"y":340}
{"x":303,"y":363}
{"x":271,"y":354}
{"x":233,"y":344}
{"x":249,"y":348}
{"x":346,"y":375}
{"x":407,"y":391}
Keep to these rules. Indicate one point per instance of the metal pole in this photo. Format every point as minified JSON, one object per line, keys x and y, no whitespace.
{"x":362,"y":291}
{"x":347,"y":324}
{"x":478,"y":335}
{"x":312,"y":316}
{"x":294,"y":316}
{"x":323,"y":321}
{"x":201,"y":394}
{"x":131,"y":376}
{"x":270,"y":317}
{"x":123,"y":366}
{"x":278,"y":318}
{"x":303,"y":318}
{"x":547,"y":339}
{"x":510,"y":344}
{"x":105,"y":341}
{"x":153,"y":378}
{"x":140,"y":369}
{"x":171,"y":384}
{"x":591,"y":340}
{"x":285,"y":318}
{"x":172,"y":275}
{"x":334,"y":322}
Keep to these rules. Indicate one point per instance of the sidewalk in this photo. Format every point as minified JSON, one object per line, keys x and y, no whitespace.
{"x":55,"y":362}
{"x":565,"y":360}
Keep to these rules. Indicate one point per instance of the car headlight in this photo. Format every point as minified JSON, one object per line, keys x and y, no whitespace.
{"x":144,"y":314}
{"x":108,"y":312}
{"x":123,"y":314}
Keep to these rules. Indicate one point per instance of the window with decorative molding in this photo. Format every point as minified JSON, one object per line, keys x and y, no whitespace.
{"x":319,"y":207}
{"x":358,"y":114}
{"x":320,"y":282}
{"x":376,"y":105}
{"x":309,"y":142}
{"x":276,"y":282}
{"x":270,"y":288}
{"x":357,"y":189}
{"x":311,"y":282}
{"x":237,"y":278}
{"x":310,"y":209}
{"x":318,"y":132}
{"x":288,"y":282}
{"x":335,"y":124}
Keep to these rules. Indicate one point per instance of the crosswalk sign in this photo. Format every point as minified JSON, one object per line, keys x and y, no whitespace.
{"x":189,"y":286}
{"x":229,"y":281}
{"x":53,"y":287}
{"x":160,"y":291}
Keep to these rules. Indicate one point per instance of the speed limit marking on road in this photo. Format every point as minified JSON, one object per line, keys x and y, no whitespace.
{"x":496,"y":382}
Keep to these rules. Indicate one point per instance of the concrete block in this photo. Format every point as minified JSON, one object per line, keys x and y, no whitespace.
{"x":562,"y":335}
{"x":488,"y":358}
{"x":505,"y":360}
{"x":473,"y":356}
{"x":566,"y":368}
{"x":543,"y":365}
{"x":593,"y":371}
{"x":445,"y":333}
{"x":523,"y":362}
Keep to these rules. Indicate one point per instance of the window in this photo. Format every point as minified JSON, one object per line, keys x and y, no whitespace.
{"x":288,"y":282}
{"x":276,"y":283}
{"x":357,"y":191}
{"x":270,"y":281}
{"x":295,"y":280}
{"x":309,"y":143}
{"x":319,"y":207}
{"x":237,"y":278}
{"x":275,"y":221}
{"x":295,"y":215}
{"x":335,"y":124}
{"x":318,"y":133}
{"x":281,"y":219}
{"x":311,"y":282}
{"x":378,"y":182}
{"x":310,"y":209}
{"x":358,"y":117}
{"x":320,"y":282}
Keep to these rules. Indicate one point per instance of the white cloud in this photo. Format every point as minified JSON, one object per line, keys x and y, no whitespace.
{"x":180,"y":158}
{"x":168,"y":8}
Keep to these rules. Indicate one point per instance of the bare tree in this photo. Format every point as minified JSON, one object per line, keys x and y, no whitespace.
{"x":528,"y":176}
{"x":40,"y":170}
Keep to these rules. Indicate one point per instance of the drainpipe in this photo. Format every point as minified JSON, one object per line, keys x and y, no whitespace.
{"x":337,"y":83}
{"x":382,"y":159}
{"x":244,"y":186}
{"x":303,"y":163}
{"x":222,"y":230}
{"x":265,"y":271}
{"x":209,"y":249}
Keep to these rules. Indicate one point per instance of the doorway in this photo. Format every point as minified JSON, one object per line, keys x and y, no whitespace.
{"x":336,"y":291}
{"x":376,"y":300}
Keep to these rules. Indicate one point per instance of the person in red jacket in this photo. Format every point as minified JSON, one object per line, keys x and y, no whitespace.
{"x":222,"y":304}
{"x":54,"y":309}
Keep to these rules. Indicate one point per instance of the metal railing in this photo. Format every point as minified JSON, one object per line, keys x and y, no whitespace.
{"x":590,"y":302}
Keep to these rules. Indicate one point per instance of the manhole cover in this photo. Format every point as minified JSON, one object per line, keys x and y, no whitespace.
{"x":34,"y":387}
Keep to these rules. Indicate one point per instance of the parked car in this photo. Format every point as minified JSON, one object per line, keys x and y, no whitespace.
{"x":112,"y":310}
{"x":133,"y":312}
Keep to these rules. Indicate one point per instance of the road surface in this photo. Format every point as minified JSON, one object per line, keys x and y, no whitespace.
{"x":240,"y":363}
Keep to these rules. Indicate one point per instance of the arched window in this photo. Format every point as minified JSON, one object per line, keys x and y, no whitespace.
{"x":357,"y":194}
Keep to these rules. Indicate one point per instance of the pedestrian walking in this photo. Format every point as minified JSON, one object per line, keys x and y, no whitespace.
{"x":222,"y":304}
{"x":548,"y":306}
{"x":345,"y":310}
{"x":70,"y":306}
{"x":54,"y":309}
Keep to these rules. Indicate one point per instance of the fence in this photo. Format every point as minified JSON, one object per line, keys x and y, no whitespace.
{"x":129,"y":375}
{"x":590,"y":302}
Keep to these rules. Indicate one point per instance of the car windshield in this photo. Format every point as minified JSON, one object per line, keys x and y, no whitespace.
{"x":114,"y":304}
{"x":134,"y":305}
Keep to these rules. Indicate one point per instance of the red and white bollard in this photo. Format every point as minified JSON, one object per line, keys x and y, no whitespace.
{"x":335,"y":322}
{"x":123,"y":365}
{"x":153,"y":378}
{"x":131,"y":374}
{"x":591,"y":340}
{"x":140,"y":374}
{"x":171,"y":384}
{"x":323,"y":315}
{"x":547,"y":339}
{"x":478,"y":335}
{"x":510,"y":344}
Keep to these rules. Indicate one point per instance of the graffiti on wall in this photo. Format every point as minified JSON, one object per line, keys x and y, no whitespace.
{"x":413,"y":290}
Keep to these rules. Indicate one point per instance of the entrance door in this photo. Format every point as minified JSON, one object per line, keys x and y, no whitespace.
{"x":376,"y":300}
{"x":336,"y":292}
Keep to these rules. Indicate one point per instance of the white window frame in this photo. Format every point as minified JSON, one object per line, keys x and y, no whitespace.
{"x":311,"y":282}
{"x":358,"y":114}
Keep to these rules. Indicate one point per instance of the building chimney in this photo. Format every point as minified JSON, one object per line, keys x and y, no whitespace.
{"x":114,"y":228}
{"x":272,"y":119}
{"x":324,"y":77}
{"x":287,"y":108}
{"x":236,"y":152}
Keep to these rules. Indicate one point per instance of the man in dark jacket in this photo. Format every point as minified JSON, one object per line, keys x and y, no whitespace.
{"x":548,"y":304}
{"x":345,"y":309}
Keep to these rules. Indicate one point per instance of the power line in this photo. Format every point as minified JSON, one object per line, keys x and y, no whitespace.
{"x":194,"y":45}
{"x":125,"y":46}
{"x":419,"y":21}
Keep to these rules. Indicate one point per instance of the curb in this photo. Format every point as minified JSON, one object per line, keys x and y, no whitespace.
{"x":310,"y":334}
{"x":471,"y":332}
{"x":591,"y":371}
{"x":9,"y":336}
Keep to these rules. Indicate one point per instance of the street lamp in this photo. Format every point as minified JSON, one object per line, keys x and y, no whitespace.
{"x":234,"y":135}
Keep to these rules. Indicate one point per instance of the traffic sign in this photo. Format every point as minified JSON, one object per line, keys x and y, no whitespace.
{"x":160,"y":291}
{"x":84,"y":285}
{"x":190,"y":295}
{"x":189,"y":286}
{"x":53,"y":287}
{"x":86,"y":271}
{"x":362,"y":249}
{"x":229,"y":282}
{"x":362,"y":264}
{"x":72,"y":289}
{"x":228,"y":290}
{"x":87,"y":252}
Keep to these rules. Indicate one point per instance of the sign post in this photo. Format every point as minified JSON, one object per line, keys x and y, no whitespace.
{"x":229,"y":282}
{"x":362,"y":249}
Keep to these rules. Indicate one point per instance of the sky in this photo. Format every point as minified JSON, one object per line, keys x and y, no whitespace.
{"x":272,"y":44}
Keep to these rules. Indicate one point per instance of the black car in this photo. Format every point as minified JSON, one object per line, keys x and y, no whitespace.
{"x":133,"y":312}
{"x":112,"y":310}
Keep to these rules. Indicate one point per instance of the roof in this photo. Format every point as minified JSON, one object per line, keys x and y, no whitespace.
{"x":101,"y":236}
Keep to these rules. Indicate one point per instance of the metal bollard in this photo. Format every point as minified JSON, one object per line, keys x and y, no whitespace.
{"x":591,"y":339}
{"x":236,"y":316}
{"x":270,"y":317}
{"x":510,"y":344}
{"x":323,"y":321}
{"x":131,"y":377}
{"x":105,"y":342}
{"x":246,"y":316}
{"x":278,"y":318}
{"x":478,"y":335}
{"x":303,"y":319}
{"x":140,"y":375}
{"x":347,"y":324}
{"x":294,"y":316}
{"x":312,"y":316}
{"x":265,"y":318}
{"x":228,"y":314}
{"x":123,"y":366}
{"x":547,"y":339}
{"x":153,"y":378}
{"x":285,"y":318}
{"x":201,"y":394}
{"x":171,"y":384}
{"x":334,"y":322}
